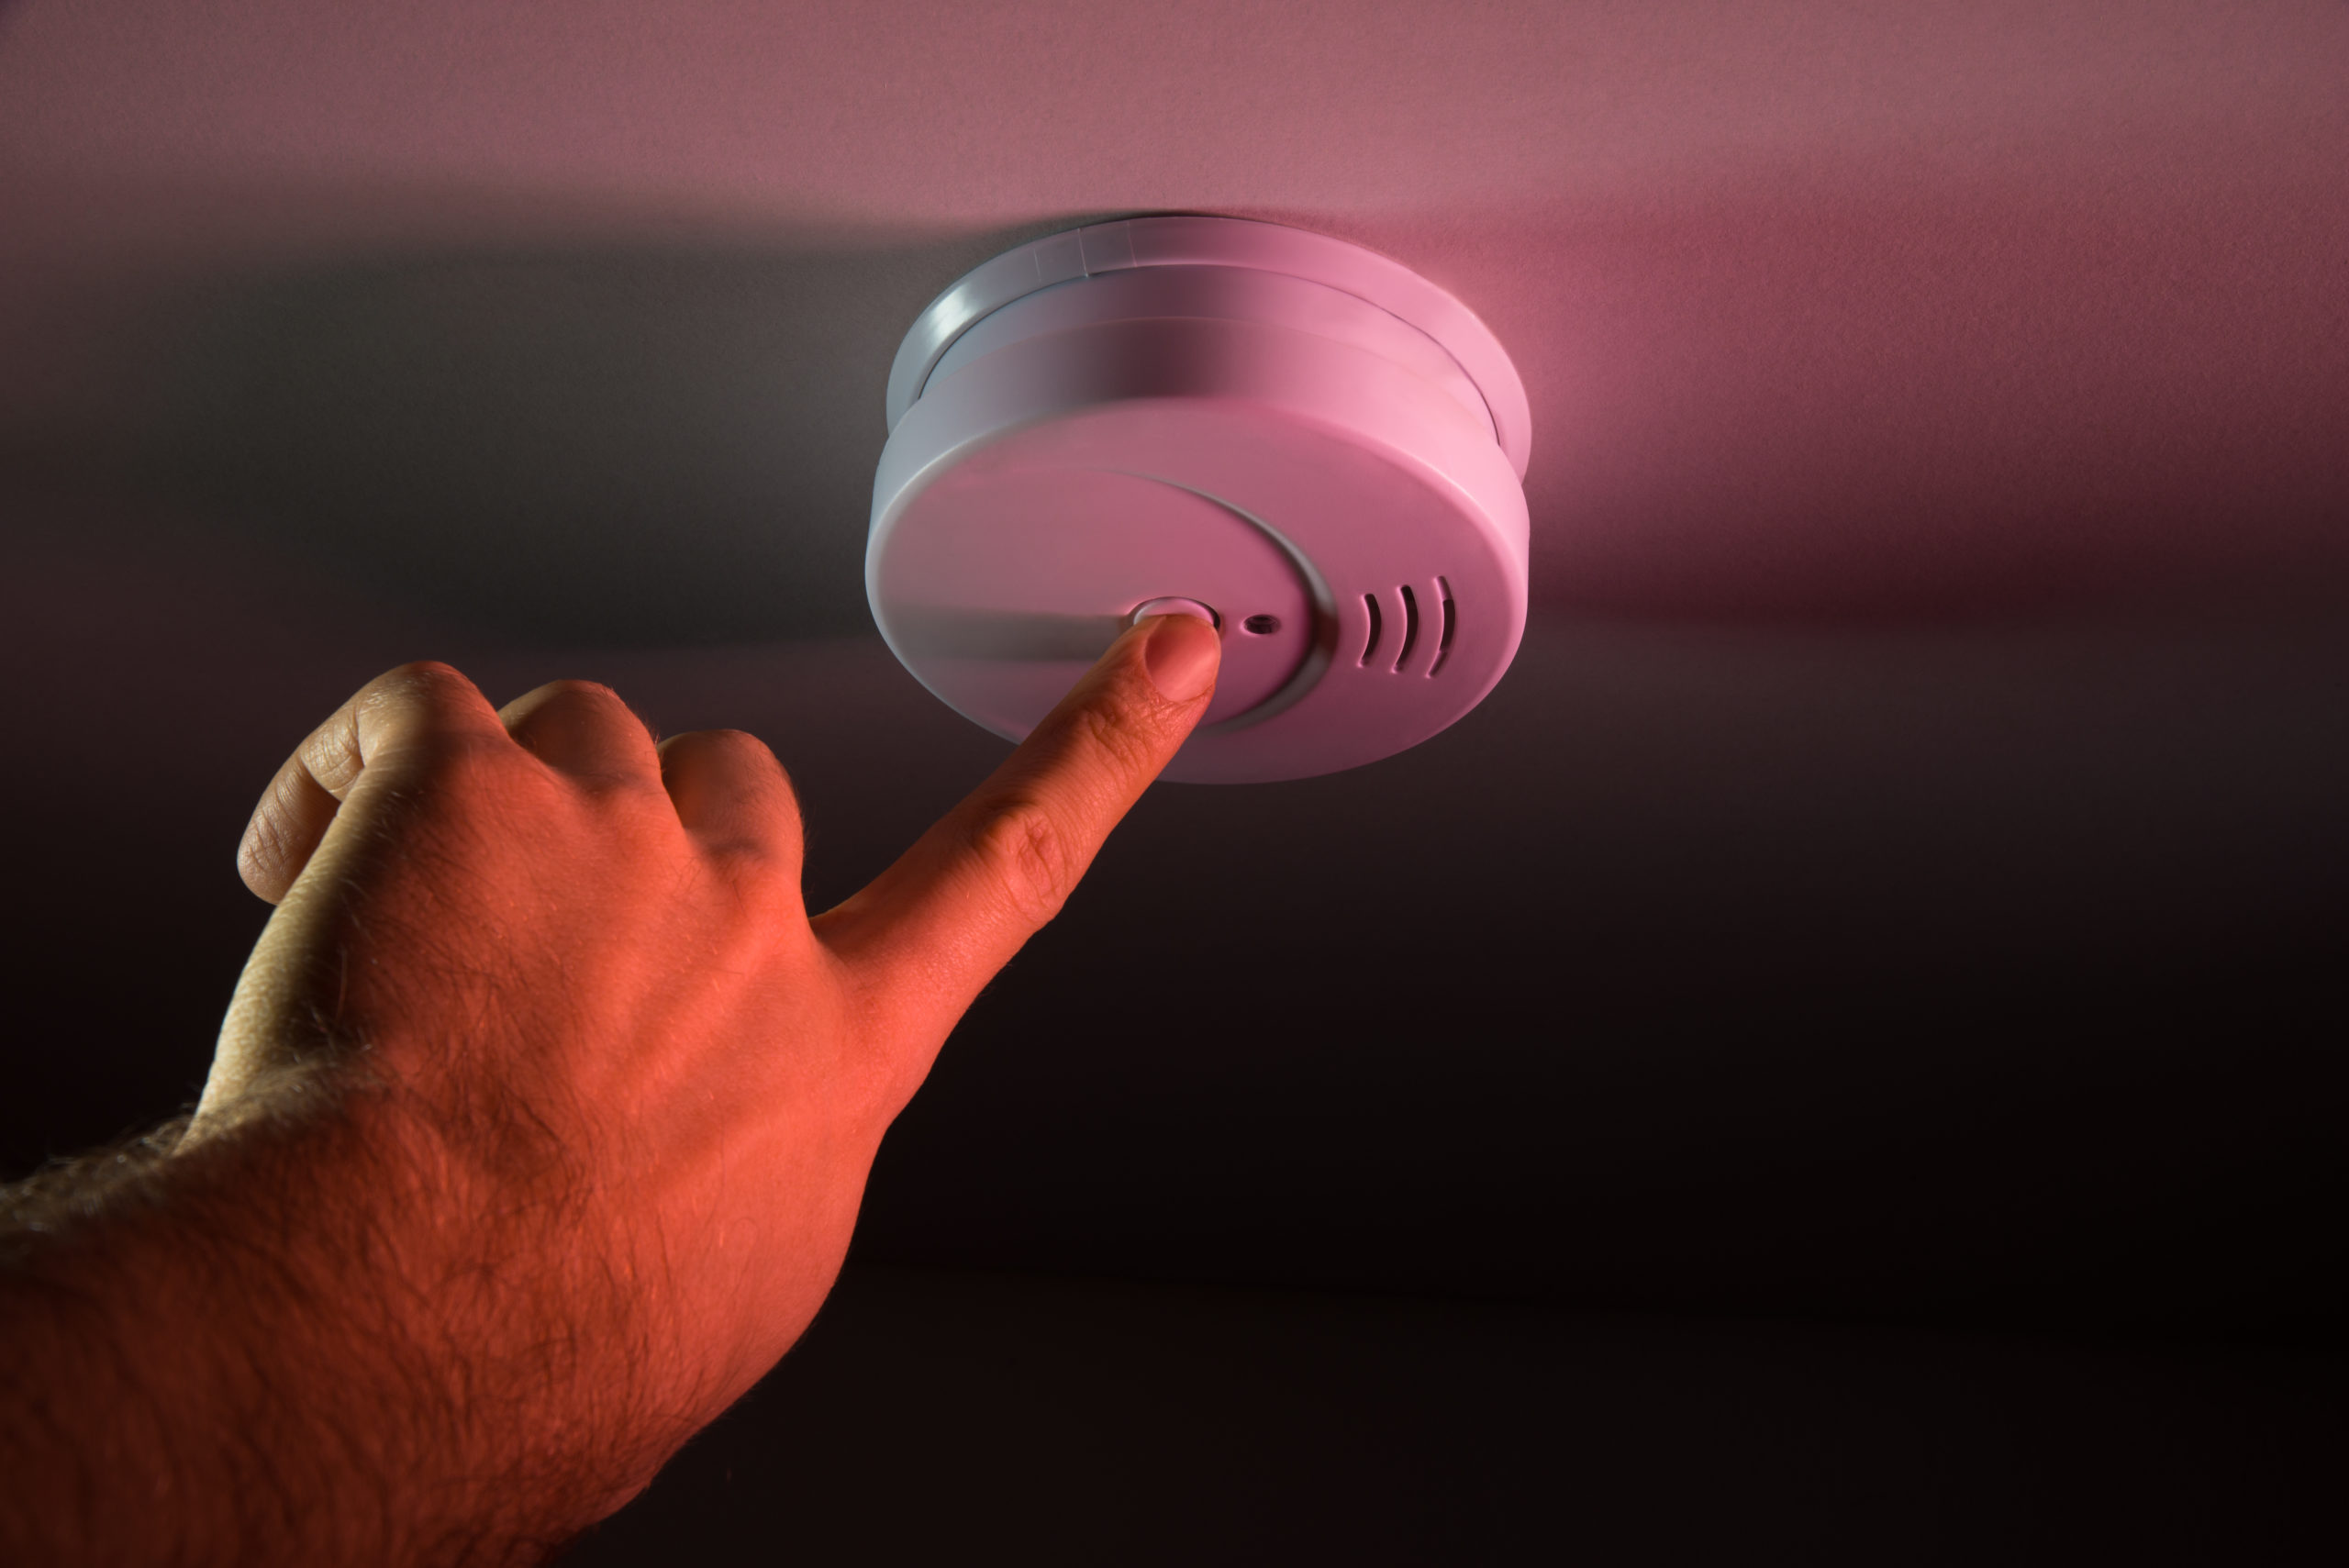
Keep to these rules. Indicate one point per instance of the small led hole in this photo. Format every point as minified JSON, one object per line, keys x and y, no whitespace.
{"x":1261,"y":626}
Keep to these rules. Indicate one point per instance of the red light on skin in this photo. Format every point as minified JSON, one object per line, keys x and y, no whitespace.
{"x":540,"y":1119}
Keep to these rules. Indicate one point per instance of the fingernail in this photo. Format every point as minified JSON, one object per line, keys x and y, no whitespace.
{"x":1181,"y":656}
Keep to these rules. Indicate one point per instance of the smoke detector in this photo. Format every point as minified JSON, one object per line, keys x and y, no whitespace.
{"x":1318,"y":448}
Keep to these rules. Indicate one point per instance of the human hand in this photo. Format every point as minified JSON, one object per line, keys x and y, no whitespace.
{"x":589,"y":1073}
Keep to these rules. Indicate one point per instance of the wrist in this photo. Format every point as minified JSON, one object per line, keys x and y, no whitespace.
{"x":332,"y":1336}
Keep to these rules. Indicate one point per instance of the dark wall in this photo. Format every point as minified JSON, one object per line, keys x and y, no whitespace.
{"x":936,"y":1417}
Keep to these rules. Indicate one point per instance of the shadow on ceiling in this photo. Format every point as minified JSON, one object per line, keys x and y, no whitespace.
{"x":1796,"y":414}
{"x":610,"y":447}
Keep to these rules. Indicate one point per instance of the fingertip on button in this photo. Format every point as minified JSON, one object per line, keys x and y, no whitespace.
{"x":1175,"y":606}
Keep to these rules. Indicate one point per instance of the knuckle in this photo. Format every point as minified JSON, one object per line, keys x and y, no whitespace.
{"x":1025,"y":854}
{"x":590,"y":702}
{"x":735,"y":754}
{"x":468,"y":750}
{"x":425,"y":677}
{"x":738,"y":745}
{"x":1129,"y":747}
{"x":585,"y":691}
{"x":459,"y":772}
{"x":423,"y":686}
{"x":586,"y":724}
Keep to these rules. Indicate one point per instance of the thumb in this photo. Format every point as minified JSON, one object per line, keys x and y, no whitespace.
{"x":926,"y":936}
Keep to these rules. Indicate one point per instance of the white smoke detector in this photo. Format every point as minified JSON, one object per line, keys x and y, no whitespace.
{"x":1310,"y":440}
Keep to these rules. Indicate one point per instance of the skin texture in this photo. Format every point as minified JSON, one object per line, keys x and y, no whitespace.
{"x":536,"y":1132}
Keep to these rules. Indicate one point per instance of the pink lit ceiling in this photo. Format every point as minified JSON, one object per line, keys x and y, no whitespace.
{"x":1827,"y":311}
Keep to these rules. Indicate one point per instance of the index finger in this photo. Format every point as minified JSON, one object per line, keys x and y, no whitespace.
{"x":927,"y":935}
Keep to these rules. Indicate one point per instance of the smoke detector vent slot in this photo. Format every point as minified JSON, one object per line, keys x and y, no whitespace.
{"x":1443,"y":624}
{"x":1410,"y":628}
{"x":1370,"y":643}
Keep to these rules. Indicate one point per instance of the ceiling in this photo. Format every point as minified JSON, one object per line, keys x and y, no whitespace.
{"x":1900,"y":878}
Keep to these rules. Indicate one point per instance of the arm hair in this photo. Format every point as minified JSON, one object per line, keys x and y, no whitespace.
{"x":286,"y":1344}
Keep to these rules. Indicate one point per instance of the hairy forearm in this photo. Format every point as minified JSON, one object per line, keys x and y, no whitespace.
{"x":306,"y":1340}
